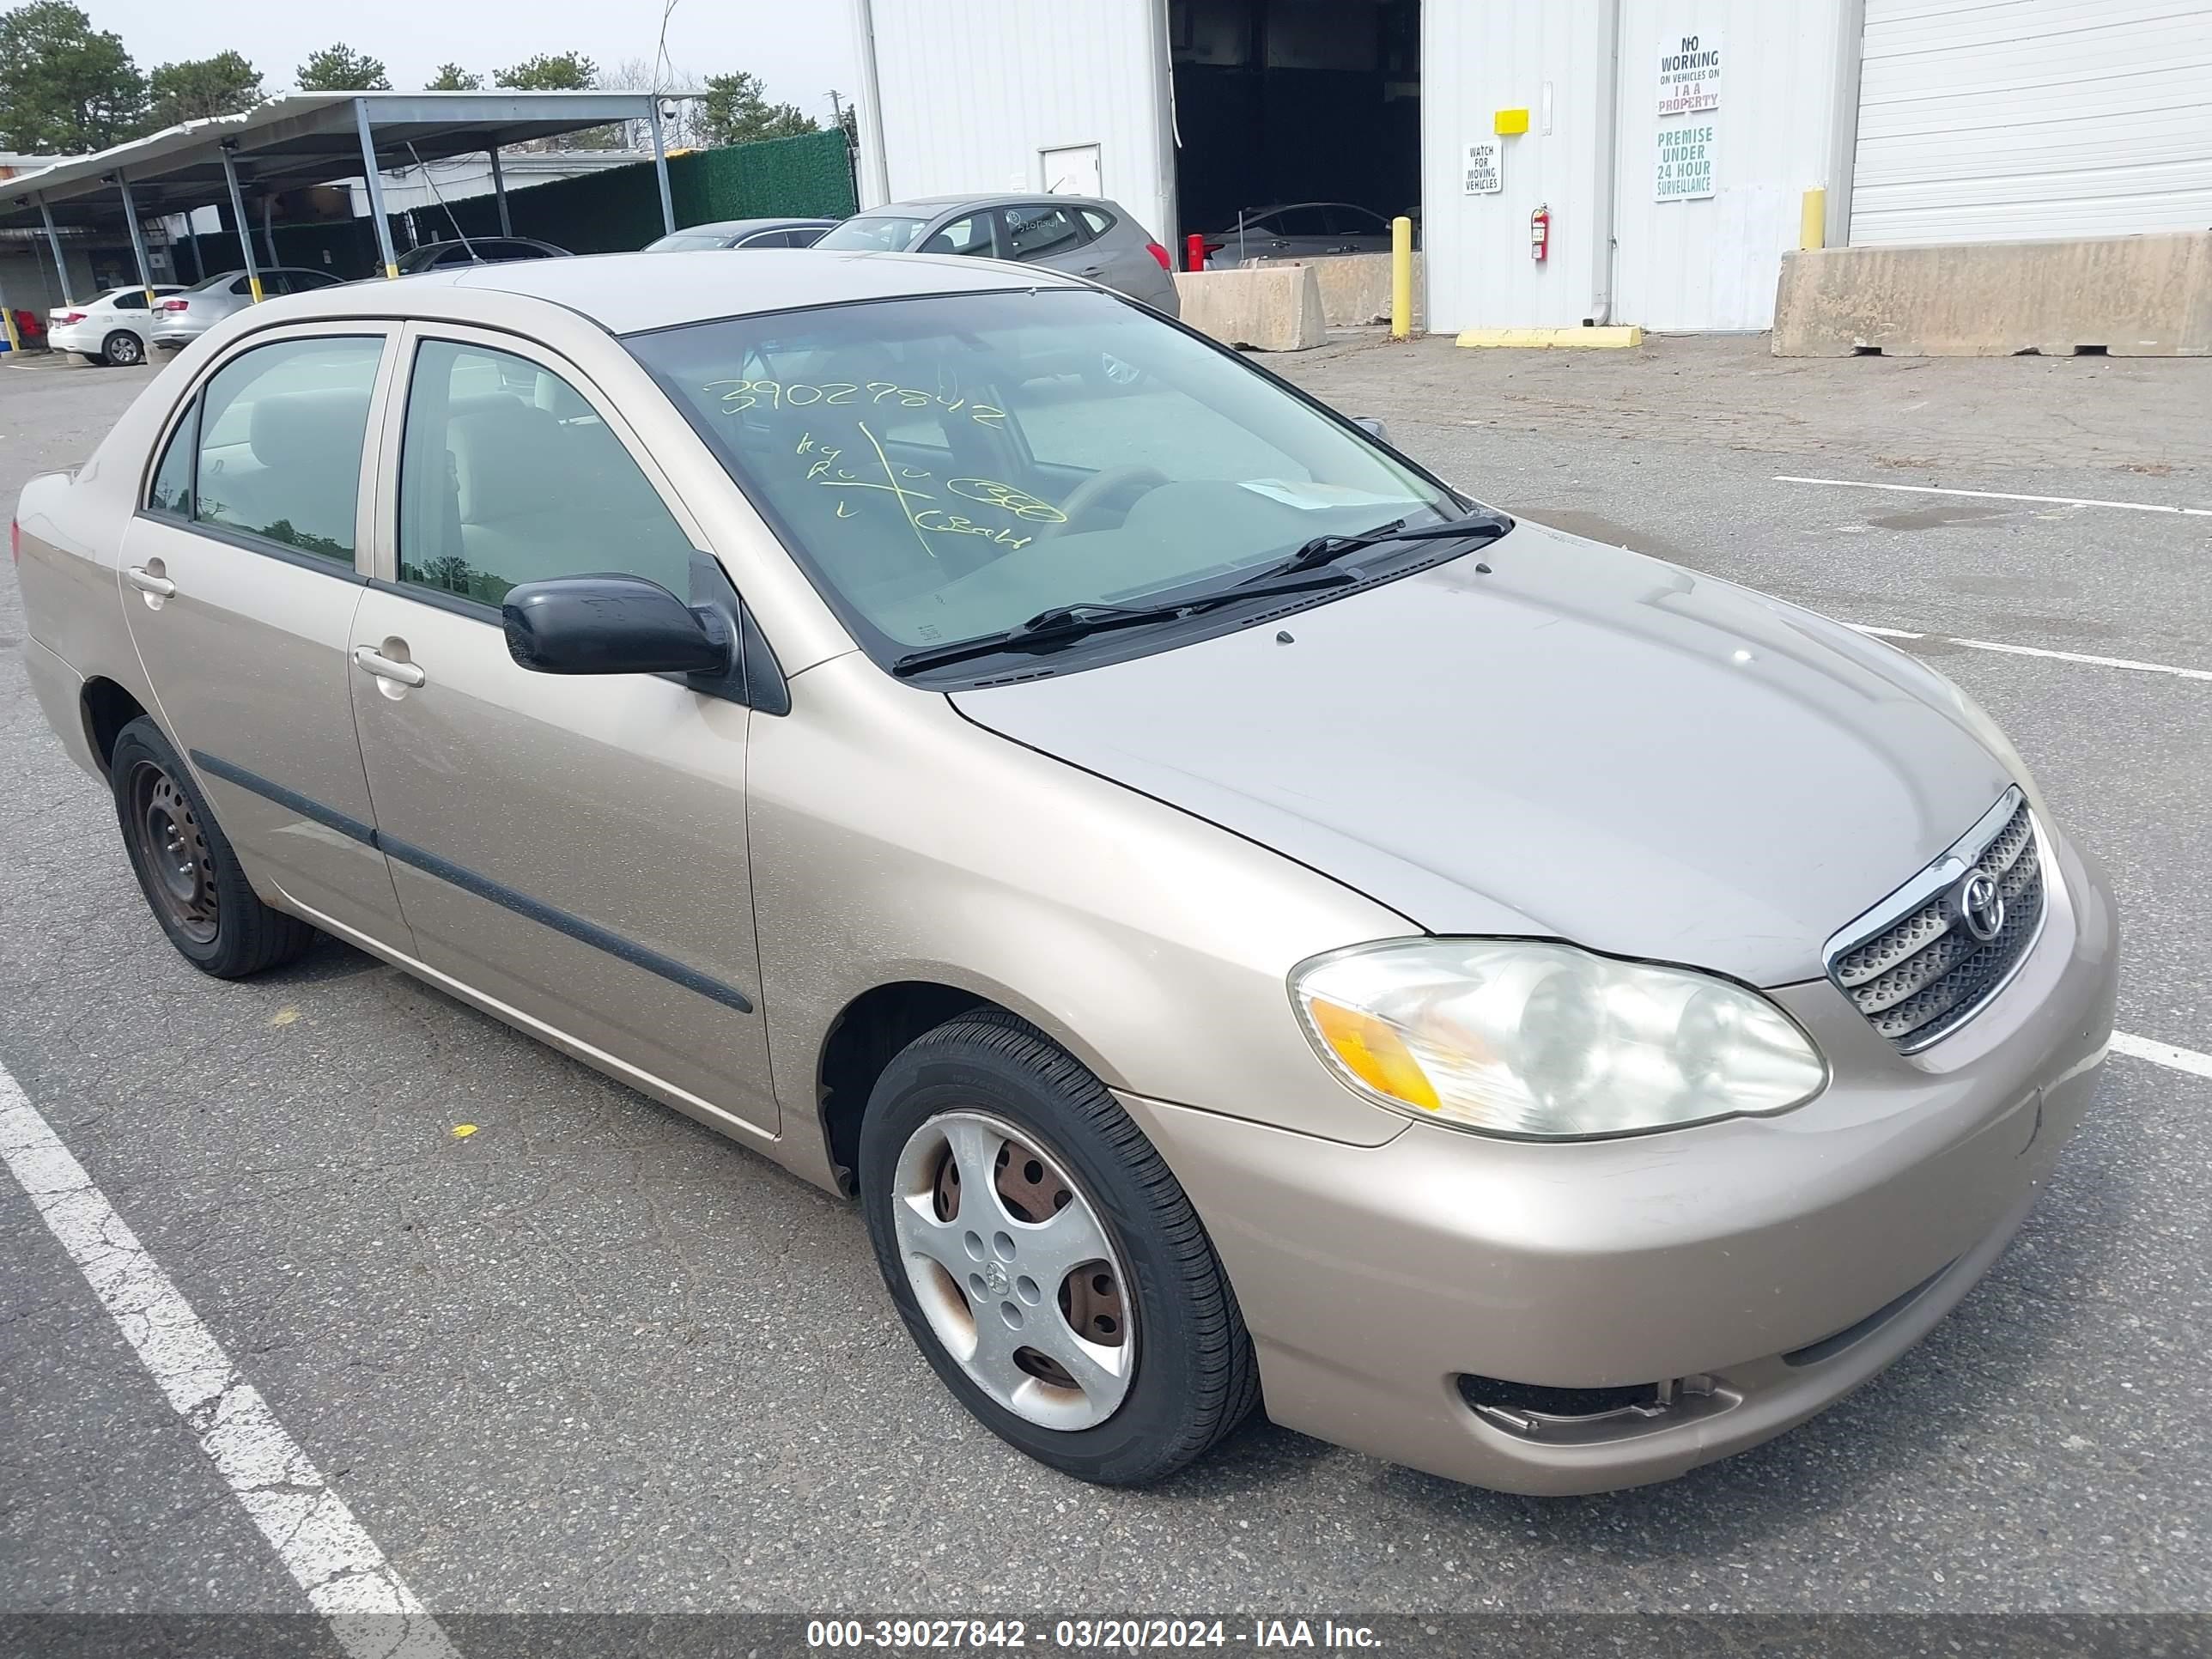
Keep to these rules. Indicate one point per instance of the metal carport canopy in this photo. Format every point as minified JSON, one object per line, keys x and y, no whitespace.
{"x":303,"y":138}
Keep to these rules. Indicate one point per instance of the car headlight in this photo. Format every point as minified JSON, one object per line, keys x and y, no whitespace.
{"x":1521,"y":1039}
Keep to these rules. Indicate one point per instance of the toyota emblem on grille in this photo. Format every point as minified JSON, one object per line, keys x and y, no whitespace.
{"x":1980,"y":906}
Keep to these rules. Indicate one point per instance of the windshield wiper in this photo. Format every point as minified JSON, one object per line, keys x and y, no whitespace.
{"x":1326,"y":549}
{"x":1071,"y":622}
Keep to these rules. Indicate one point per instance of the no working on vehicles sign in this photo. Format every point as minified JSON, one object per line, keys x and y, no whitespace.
{"x":1685,"y":162}
{"x":1689,"y":74}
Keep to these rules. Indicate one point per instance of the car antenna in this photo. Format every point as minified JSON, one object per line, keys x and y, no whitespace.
{"x":437,"y":197}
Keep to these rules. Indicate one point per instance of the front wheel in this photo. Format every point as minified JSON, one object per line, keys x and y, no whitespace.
{"x":122,"y":349}
{"x":1044,"y":1258}
{"x":191,"y":877}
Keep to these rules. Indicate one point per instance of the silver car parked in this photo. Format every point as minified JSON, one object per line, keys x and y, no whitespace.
{"x":184,"y":316}
{"x":1299,"y":230}
{"x":742,"y":232}
{"x":1085,"y":236}
{"x":1243,"y":917}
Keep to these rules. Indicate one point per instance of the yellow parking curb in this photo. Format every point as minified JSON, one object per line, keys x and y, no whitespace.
{"x":1617,"y":335}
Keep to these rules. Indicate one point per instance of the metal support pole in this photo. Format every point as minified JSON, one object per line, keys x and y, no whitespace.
{"x":375,"y":190}
{"x":245,"y":229}
{"x":499,"y":191}
{"x":137,"y":240}
{"x":661,"y":168}
{"x":54,"y":241}
{"x":268,"y":229}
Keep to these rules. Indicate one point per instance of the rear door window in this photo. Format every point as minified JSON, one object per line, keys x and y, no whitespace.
{"x":1099,"y":223}
{"x":1037,"y":230}
{"x":1302,"y":222}
{"x":172,"y":490}
{"x":280,"y":442}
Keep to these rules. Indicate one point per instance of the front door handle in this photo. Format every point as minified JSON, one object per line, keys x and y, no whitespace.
{"x":147,"y":582}
{"x":370,"y":660}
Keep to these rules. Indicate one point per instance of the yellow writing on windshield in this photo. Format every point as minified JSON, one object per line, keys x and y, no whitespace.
{"x":738,"y":395}
{"x":924,"y":517}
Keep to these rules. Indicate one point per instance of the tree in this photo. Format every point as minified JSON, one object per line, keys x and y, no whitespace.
{"x":735,"y":112}
{"x":341,"y":69}
{"x":565,"y":71}
{"x":198,"y":87}
{"x":65,"y":88}
{"x":451,"y":77}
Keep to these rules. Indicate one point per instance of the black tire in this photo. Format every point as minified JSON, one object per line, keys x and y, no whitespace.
{"x":220,"y":926}
{"x":1195,"y":1378}
{"x":122,"y":348}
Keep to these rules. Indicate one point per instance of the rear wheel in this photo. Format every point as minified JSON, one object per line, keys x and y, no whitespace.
{"x":1046,"y":1260}
{"x":191,"y":879}
{"x":122,"y":349}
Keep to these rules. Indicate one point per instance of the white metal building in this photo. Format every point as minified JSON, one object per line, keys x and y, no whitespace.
{"x":1672,"y":141}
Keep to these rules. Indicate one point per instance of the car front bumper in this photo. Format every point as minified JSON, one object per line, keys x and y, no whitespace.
{"x":1763,"y":1266}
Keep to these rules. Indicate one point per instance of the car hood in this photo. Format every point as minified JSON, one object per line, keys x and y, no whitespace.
{"x":1584,"y":743}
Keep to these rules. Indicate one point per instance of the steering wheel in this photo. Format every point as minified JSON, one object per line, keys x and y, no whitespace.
{"x":1098,"y":487}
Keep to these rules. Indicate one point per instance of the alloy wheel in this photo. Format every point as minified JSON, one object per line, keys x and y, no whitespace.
{"x":1014,"y":1270}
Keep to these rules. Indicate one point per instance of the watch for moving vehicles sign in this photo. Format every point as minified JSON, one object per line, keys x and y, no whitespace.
{"x":1689,"y":74}
{"x":1685,"y":162}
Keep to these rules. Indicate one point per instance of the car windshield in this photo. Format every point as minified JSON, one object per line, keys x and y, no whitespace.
{"x":685,"y":240}
{"x":881,"y":233}
{"x":948,"y":466}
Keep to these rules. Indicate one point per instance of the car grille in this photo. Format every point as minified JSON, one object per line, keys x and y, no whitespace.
{"x":1912,"y":967}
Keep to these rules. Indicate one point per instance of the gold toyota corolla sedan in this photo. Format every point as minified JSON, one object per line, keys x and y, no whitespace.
{"x":1247,"y":920}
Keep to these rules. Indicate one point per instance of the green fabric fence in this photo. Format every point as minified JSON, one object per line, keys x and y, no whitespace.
{"x":807,"y":177}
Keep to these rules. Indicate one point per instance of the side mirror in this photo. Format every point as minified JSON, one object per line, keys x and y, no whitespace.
{"x":1373,"y":428}
{"x":612,"y":625}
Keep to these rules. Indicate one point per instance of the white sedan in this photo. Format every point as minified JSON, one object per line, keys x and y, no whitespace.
{"x":115,"y":328}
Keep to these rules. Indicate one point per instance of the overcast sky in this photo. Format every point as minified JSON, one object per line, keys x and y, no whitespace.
{"x":800,"y":48}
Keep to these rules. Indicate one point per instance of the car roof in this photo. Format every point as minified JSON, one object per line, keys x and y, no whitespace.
{"x":739,"y":226}
{"x":925,"y":207}
{"x":630,"y":293}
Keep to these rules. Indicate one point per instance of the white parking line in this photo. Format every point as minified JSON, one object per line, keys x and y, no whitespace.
{"x":373,"y":1614}
{"x":2038,"y":651}
{"x":1998,"y":496}
{"x":2163,"y":1053}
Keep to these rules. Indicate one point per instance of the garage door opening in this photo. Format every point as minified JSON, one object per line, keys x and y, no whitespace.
{"x":1302,"y":117}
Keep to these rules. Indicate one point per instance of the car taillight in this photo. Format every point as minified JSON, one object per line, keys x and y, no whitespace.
{"x":1212,"y":248}
{"x":69,"y":317}
{"x":176,"y":305}
{"x":1161,"y":254}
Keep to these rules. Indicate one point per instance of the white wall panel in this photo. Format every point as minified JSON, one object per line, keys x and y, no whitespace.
{"x":1713,"y":264}
{"x":2000,"y":121}
{"x":1479,"y":57}
{"x":972,"y":92}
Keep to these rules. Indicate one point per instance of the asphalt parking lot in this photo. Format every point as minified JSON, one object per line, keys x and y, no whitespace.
{"x":591,"y":1356}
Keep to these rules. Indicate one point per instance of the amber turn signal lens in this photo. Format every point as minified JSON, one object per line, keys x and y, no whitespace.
{"x":1372,"y":1052}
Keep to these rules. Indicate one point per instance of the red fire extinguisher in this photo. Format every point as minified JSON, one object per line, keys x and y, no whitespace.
{"x":1539,"y":234}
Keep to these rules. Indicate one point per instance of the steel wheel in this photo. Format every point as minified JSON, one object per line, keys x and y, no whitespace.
{"x":1014,"y":1270}
{"x":173,"y":850}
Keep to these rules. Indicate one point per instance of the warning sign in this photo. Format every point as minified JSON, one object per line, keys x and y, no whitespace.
{"x":1689,"y":74}
{"x":1486,"y":169}
{"x":1685,"y":162}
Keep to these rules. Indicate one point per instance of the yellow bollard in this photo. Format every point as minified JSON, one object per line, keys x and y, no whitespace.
{"x":1401,"y":278}
{"x":14,"y":340}
{"x":1813,"y":220}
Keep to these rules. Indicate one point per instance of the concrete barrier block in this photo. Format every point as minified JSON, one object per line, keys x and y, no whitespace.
{"x":1355,"y":288}
{"x":2130,"y":296}
{"x":1266,"y":307}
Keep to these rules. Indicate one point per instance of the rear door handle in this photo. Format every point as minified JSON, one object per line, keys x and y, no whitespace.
{"x":147,"y":582}
{"x":370,"y":660}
